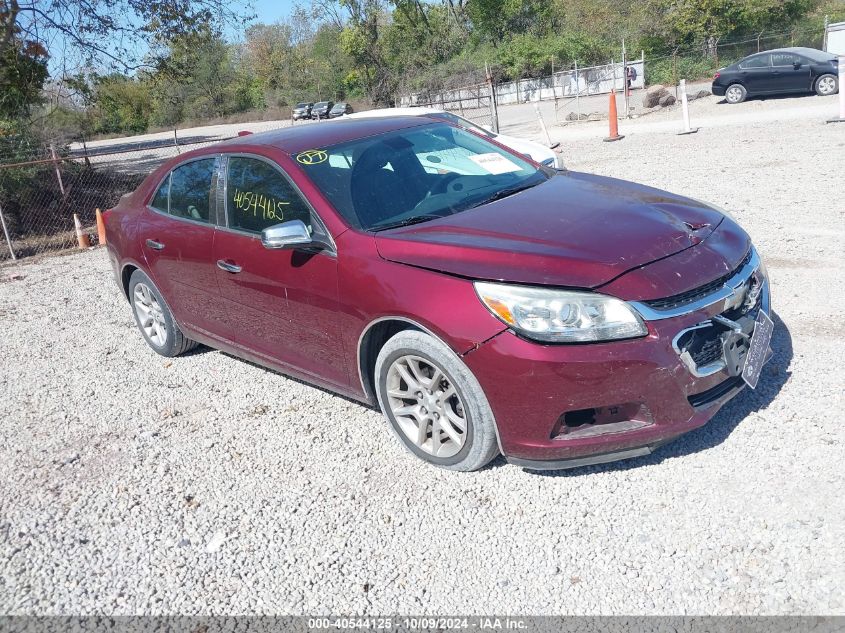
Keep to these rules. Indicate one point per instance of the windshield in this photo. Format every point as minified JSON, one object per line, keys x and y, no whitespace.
{"x":414,"y":175}
{"x":301,"y":105}
{"x":462,"y":122}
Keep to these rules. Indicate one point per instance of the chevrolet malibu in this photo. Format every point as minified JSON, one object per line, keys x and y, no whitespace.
{"x":558,"y":318}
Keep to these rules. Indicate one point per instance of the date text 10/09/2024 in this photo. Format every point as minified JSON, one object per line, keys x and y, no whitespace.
{"x":479,"y":623}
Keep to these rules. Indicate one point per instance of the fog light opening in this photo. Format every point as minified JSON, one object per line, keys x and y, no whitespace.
{"x":617,"y":418}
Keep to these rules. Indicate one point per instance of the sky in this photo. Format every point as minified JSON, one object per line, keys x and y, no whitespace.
{"x":63,"y":60}
{"x":268,"y":11}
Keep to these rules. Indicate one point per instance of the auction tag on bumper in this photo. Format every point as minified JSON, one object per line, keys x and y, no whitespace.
{"x":494,"y":163}
{"x":758,"y":349}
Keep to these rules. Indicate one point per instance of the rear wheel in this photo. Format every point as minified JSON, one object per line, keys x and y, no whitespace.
{"x":735,"y":93}
{"x":433,"y":402}
{"x":827,"y":85}
{"x":154,"y":319}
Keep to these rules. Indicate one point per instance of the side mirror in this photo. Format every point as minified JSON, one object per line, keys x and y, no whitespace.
{"x":292,"y":234}
{"x":796,"y":65}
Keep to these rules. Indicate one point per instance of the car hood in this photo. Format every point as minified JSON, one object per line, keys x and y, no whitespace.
{"x":575,"y":230}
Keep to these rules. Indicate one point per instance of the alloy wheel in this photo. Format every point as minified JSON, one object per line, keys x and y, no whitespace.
{"x":734,"y":94}
{"x":426,"y":406}
{"x":827,"y":85}
{"x":150,"y":315}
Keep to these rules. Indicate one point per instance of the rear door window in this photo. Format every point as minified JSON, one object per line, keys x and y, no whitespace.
{"x":784,"y":59}
{"x":259,"y":196}
{"x":758,"y":61}
{"x":186,"y":191}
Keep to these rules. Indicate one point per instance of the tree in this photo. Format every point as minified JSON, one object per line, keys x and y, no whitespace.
{"x":198,"y":79}
{"x":113,"y":30}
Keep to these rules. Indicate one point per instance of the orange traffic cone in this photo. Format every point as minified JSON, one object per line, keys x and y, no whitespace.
{"x":101,"y":228}
{"x":81,"y":237}
{"x":614,"y":119}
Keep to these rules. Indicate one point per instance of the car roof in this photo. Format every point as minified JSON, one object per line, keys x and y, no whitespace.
{"x":813,"y":53}
{"x":299,"y":138}
{"x":389,"y":112}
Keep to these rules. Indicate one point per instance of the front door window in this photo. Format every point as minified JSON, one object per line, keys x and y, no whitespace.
{"x":258,"y":196}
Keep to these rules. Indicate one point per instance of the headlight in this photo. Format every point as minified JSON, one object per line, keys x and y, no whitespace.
{"x":561,"y":316}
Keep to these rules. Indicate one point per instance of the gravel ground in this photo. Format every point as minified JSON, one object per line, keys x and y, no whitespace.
{"x":134,"y":484}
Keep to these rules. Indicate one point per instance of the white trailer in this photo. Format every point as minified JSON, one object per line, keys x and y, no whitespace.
{"x":834,"y":38}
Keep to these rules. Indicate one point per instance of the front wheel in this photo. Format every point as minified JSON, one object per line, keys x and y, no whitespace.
{"x":434,"y":404}
{"x":735,"y":93}
{"x":827,"y":85}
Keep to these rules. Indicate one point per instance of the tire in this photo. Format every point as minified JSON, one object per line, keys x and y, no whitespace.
{"x":735,"y":93}
{"x":416,"y":351}
{"x":827,"y":85}
{"x":172,"y":342}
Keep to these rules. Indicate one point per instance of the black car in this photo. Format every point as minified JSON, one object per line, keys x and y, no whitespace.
{"x":340,"y":109}
{"x":302,"y":111}
{"x":321,"y":110}
{"x":780,"y":71}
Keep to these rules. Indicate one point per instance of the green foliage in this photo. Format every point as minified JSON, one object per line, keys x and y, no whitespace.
{"x":664,"y":71}
{"x":121,"y":104}
{"x":23,"y":70}
{"x":527,"y":56}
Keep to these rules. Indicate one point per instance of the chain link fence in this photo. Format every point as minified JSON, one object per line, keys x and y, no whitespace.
{"x":479,"y":102}
{"x":702,"y":59}
{"x":45,"y":186}
{"x":474,"y":103}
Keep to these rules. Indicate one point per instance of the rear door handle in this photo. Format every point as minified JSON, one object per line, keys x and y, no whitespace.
{"x":229,"y":268}
{"x":155,"y":245}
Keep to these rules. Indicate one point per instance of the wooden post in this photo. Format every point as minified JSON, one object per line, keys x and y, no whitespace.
{"x":675,"y":71}
{"x":85,"y":152}
{"x":56,"y":167}
{"x":6,"y":233}
{"x":577,"y":91}
{"x":625,"y":79}
{"x":494,"y":108}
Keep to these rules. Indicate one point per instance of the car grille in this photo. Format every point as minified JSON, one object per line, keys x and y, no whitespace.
{"x":690,"y":296}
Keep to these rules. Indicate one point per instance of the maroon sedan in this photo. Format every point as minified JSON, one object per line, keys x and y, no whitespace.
{"x":486,"y":303}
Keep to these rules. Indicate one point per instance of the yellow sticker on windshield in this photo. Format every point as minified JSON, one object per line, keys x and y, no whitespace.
{"x":312,"y":157}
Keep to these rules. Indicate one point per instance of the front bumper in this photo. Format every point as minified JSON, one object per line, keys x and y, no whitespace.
{"x":564,"y":406}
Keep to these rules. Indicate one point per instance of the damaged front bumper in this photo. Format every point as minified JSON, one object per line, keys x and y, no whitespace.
{"x":565,"y":406}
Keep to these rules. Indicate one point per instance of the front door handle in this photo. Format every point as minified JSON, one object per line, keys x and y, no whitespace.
{"x":229,"y":268}
{"x":155,"y":245}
